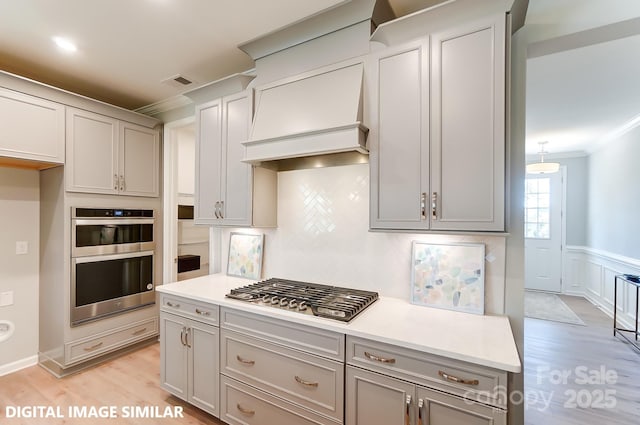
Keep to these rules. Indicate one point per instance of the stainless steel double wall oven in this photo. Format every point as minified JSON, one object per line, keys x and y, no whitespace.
{"x":112,"y":255}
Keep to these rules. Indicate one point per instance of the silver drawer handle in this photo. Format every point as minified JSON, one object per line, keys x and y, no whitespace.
{"x":378,"y":359}
{"x":245,"y":361}
{"x":244,"y":410}
{"x":202,"y":312}
{"x":139,"y":331}
{"x":299,"y":380}
{"x":93,"y":347}
{"x":458,"y":380}
{"x":170,"y":304}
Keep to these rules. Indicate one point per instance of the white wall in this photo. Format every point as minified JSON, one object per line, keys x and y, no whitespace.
{"x":19,"y":221}
{"x":323,"y":236}
{"x":577,"y":191}
{"x":614,"y":196}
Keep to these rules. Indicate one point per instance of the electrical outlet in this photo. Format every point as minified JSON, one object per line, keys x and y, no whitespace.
{"x":6,"y":298}
{"x":22,"y":247}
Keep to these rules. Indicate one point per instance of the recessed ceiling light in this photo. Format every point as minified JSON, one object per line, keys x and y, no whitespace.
{"x":65,"y":44}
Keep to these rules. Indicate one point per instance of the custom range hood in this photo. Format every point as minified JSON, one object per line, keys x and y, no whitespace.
{"x":314,"y":114}
{"x":312,"y":109}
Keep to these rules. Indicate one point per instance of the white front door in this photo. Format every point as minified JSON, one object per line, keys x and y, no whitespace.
{"x":543,"y":232}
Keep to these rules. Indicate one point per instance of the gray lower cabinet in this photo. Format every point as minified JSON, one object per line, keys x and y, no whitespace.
{"x":189,"y":367}
{"x":373,"y":398}
{"x":277,"y":372}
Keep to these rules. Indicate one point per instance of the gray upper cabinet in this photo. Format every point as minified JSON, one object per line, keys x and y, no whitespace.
{"x":438,"y":131}
{"x":108,"y":156}
{"x":31,"y":128}
{"x":468,"y":127}
{"x":399,"y":136}
{"x":230,"y":192}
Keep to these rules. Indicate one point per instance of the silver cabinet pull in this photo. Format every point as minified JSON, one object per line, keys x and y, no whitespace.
{"x":115,"y":182}
{"x":186,"y":337}
{"x":93,"y":347}
{"x":434,"y":205}
{"x":221,"y":209}
{"x":407,"y":415}
{"x":170,"y":304}
{"x":423,"y":206}
{"x":299,"y":380}
{"x":245,"y":361}
{"x":245,"y":410}
{"x":458,"y":380}
{"x":182,"y":336}
{"x":378,"y":358}
{"x":216,"y":210}
{"x":202,"y":312}
{"x":420,"y":407}
{"x":139,"y":331}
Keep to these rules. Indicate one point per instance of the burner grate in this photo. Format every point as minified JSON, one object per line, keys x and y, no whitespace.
{"x":321,"y":300}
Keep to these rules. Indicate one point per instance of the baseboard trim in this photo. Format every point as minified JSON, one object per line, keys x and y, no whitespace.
{"x":18,"y":365}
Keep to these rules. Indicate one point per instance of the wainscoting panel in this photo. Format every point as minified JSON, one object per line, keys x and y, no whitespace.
{"x":590,"y":273}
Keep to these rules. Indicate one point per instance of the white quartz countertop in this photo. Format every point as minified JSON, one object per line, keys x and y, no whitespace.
{"x":484,"y":340}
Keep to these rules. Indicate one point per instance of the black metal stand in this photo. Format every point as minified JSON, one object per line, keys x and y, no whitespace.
{"x":621,"y":331}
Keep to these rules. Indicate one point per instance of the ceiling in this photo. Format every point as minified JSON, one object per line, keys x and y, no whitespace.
{"x":581,"y":79}
{"x":582,"y":73}
{"x":126,"y":49}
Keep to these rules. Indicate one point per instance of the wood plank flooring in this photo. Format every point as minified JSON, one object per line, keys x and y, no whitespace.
{"x":130,"y":380}
{"x":602,"y":383}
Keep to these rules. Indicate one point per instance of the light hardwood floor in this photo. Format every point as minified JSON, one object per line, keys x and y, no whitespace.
{"x":130,"y":380}
{"x":611,"y":367}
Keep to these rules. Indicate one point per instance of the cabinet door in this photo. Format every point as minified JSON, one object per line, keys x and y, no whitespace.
{"x":399,"y":138}
{"x":203,"y":343}
{"x":139,"y":160}
{"x":443,"y":409}
{"x":92,"y":152}
{"x":372,"y":398}
{"x":236,"y":176}
{"x":208,"y":161}
{"x":468,"y":126}
{"x":173,"y":355}
{"x":31,"y":128}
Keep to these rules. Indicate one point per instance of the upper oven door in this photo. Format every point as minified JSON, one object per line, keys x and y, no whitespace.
{"x":111,"y":236}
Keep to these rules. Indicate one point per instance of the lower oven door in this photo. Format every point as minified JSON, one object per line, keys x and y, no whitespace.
{"x":109,"y":284}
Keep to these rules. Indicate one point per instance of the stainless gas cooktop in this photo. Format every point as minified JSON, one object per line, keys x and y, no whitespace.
{"x":320,"y":300}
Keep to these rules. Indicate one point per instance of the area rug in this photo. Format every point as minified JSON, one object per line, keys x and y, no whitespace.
{"x":540,"y":305}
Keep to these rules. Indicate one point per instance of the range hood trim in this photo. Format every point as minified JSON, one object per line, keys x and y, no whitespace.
{"x":310,"y":143}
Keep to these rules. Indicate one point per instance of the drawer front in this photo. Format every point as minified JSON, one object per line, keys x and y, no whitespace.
{"x":202,"y":312}
{"x":109,"y":341}
{"x":244,"y":405}
{"x":311,"y":381}
{"x":465,"y":379}
{"x":301,"y":337}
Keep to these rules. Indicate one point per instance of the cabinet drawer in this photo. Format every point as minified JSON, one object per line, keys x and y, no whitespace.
{"x":311,"y":381}
{"x":244,"y":405}
{"x":109,"y":341}
{"x":203,"y":312}
{"x":483,"y":384}
{"x":312,"y":340}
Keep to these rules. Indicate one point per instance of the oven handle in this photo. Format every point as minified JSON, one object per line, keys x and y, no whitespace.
{"x":97,"y":258}
{"x":111,"y":221}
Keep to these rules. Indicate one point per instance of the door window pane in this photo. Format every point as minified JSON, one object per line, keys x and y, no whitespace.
{"x":536,"y":208}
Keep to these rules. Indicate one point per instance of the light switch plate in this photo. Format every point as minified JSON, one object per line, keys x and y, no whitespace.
{"x":6,"y":298}
{"x":22,"y":247}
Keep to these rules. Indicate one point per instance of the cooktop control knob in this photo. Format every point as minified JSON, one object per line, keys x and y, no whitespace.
{"x":302,"y":306}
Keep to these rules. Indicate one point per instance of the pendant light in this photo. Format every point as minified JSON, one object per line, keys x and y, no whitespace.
{"x":543,"y":167}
